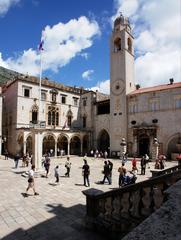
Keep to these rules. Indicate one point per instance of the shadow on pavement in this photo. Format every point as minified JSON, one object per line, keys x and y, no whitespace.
{"x":67,"y":224}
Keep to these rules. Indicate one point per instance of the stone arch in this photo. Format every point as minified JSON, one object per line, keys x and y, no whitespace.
{"x":29,"y":146}
{"x":75,"y":145}
{"x":20,"y":146}
{"x":62,"y":144}
{"x":103,"y":141}
{"x":85,"y":144}
{"x":49,"y":144}
{"x":117,"y":44}
{"x":174,"y":145}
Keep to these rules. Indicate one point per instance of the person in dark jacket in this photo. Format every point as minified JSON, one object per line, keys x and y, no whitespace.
{"x":143,"y":165}
{"x":106,"y":173}
{"x":86,"y":173}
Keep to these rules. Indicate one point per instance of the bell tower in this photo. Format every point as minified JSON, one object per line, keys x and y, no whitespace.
{"x":121,"y":79}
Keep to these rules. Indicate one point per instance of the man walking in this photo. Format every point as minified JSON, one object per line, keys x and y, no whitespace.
{"x":68,"y":166}
{"x":86,"y":173}
{"x":31,"y":182}
{"x":16,"y":160}
{"x":106,"y":173}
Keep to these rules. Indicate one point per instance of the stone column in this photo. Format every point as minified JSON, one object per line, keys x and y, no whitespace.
{"x":68,"y":150}
{"x":37,"y":149}
{"x":55,"y":148}
{"x":24,"y":148}
{"x":81,"y":146}
{"x":155,"y":149}
{"x":123,"y":148}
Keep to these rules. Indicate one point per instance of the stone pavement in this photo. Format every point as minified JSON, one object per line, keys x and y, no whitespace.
{"x":57,"y":213}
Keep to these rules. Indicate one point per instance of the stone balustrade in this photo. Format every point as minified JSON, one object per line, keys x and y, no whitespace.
{"x":117,"y":212}
{"x":158,"y":172}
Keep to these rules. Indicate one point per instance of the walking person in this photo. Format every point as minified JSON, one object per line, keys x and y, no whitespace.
{"x":56,"y":170}
{"x":47,"y":165}
{"x":6,"y":154}
{"x":122,"y":174}
{"x":86,"y":173}
{"x":68,"y":166}
{"x":16,"y":160}
{"x":106,"y":173}
{"x":31,"y":181}
{"x":143,"y":165}
{"x":110,"y":164}
{"x":134,"y":166}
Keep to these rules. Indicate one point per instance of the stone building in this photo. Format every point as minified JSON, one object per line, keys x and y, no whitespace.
{"x":77,"y":120}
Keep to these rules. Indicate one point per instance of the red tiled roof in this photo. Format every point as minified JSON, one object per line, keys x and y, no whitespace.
{"x":156,"y":88}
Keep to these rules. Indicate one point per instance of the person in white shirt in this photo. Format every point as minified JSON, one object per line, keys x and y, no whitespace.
{"x":56,"y":170}
{"x":31,"y":182}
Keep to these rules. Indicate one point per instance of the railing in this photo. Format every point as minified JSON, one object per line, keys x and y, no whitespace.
{"x":120,"y":210}
{"x":159,"y":172}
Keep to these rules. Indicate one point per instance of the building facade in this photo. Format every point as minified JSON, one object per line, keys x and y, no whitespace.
{"x":76,"y":120}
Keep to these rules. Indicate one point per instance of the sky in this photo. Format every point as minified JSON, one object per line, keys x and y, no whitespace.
{"x":77,"y":34}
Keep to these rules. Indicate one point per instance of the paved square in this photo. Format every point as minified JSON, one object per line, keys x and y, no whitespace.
{"x":58,"y":211}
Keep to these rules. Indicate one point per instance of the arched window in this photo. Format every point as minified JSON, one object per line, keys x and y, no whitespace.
{"x":34,"y":111}
{"x":129,"y":45}
{"x":57,"y":118}
{"x":69,"y":121}
{"x":49,"y":118}
{"x":117,"y":45}
{"x":84,"y":121}
{"x":53,"y":116}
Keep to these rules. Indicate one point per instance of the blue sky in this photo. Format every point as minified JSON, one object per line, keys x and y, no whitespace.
{"x":77,"y":34}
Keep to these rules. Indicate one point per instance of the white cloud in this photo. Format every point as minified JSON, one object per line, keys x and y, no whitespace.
{"x":6,"y":4}
{"x":62,"y":43}
{"x":103,"y":87}
{"x":87,"y":74}
{"x":157,"y":27}
{"x":127,"y":7}
{"x":85,"y":55}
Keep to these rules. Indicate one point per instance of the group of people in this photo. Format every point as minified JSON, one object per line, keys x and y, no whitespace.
{"x":98,"y":154}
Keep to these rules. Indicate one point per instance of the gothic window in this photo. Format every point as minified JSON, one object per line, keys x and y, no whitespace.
{"x":57,"y":118}
{"x":34,"y":111}
{"x":129,"y":45}
{"x":49,"y":118}
{"x":84,"y":121}
{"x":84,"y":102}
{"x":69,"y":121}
{"x":117,"y":45}
{"x":54,"y":93}
{"x":53,"y":116}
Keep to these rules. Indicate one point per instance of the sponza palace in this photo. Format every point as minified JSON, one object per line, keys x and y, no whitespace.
{"x":77,"y":120}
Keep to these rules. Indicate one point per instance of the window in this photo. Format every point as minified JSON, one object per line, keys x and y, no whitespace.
{"x":64,"y":99}
{"x":178,"y":103}
{"x":133,"y":108}
{"x":26,"y":92}
{"x":84,"y":121}
{"x":69,"y":121}
{"x":84,"y":102}
{"x":75,"y":101}
{"x":129,"y":45}
{"x":53,"y":116}
{"x":34,"y":114}
{"x":154,"y":106}
{"x":117,"y":45}
{"x":43,"y":96}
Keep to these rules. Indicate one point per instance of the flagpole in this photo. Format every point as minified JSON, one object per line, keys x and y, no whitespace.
{"x":40,"y":78}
